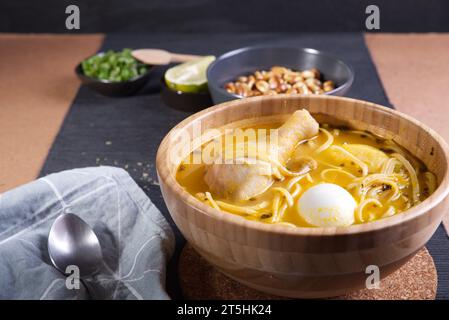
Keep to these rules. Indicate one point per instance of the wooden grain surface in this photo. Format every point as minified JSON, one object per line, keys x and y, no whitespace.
{"x":37,"y":86}
{"x":296,"y":262}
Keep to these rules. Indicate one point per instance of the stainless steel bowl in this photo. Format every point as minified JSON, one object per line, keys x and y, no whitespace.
{"x":233,"y":64}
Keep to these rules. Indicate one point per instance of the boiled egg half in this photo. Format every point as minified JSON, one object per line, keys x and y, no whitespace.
{"x":327,"y":205}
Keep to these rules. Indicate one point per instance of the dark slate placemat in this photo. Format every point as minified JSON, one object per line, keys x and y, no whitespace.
{"x":126,"y":132}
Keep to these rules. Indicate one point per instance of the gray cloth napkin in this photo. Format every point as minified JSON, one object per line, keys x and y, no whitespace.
{"x":135,"y":238}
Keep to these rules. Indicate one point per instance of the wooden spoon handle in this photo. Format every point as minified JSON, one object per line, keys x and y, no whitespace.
{"x":176,"y":57}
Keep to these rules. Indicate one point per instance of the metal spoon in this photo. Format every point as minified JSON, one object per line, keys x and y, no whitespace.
{"x":161,"y":57}
{"x":72,"y":241}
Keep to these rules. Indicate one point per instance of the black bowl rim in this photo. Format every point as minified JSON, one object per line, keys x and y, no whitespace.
{"x":234,"y":52}
{"x":79,"y":71}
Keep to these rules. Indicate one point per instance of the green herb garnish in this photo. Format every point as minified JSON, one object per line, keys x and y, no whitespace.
{"x":115,"y":66}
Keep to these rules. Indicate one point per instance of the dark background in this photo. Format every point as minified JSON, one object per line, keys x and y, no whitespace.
{"x":219,"y":16}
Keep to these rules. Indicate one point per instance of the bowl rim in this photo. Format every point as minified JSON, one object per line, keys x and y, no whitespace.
{"x":347,"y":84}
{"x":79,"y":71}
{"x":170,"y":182}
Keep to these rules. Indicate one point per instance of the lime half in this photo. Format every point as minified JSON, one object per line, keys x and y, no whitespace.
{"x":189,"y":76}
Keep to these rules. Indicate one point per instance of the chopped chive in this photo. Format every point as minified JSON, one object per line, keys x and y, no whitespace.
{"x":115,"y":66}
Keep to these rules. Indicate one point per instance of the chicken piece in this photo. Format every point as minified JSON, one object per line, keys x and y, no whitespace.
{"x":300,"y":126}
{"x":242,"y":179}
{"x":302,"y":164}
{"x":239,"y":181}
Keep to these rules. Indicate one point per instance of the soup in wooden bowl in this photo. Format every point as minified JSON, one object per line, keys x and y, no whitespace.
{"x":298,"y":196}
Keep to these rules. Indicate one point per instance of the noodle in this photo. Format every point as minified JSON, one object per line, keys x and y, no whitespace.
{"x":280,"y":168}
{"x":285,"y":205}
{"x":412,"y":173}
{"x":328,"y":143}
{"x":391,"y":211}
{"x":259,"y":206}
{"x":241,"y":209}
{"x":362,"y":205}
{"x":392,"y":145}
{"x":275,"y":206}
{"x":283,"y":170}
{"x":235,"y":209}
{"x":288,"y":197}
{"x":389,"y":166}
{"x":282,"y":211}
{"x":212,"y":201}
{"x":373,"y":192}
{"x":297,"y":190}
{"x":309,"y":178}
{"x":326,"y":171}
{"x":388,"y":182}
{"x":382,"y":179}
{"x":217,"y":204}
{"x":293,"y":181}
{"x":407,"y":202}
{"x":328,"y":164}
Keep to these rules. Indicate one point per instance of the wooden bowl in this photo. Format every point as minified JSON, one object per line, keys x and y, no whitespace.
{"x":306,"y":262}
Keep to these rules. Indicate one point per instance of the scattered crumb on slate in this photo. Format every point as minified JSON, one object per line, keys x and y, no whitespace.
{"x":143,"y":173}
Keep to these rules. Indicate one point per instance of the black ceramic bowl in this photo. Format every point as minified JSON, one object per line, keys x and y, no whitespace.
{"x":185,"y":101}
{"x":113,"y":89}
{"x":233,"y":64}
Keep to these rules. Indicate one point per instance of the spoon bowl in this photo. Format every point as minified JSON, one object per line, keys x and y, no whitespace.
{"x":72,"y":241}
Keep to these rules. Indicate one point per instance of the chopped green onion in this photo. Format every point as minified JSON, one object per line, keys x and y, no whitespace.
{"x":115,"y":66}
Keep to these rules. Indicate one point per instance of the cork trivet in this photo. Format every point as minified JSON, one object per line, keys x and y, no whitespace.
{"x":417,"y":279}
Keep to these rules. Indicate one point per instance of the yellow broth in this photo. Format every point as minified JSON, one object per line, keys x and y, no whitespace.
{"x":190,"y":176}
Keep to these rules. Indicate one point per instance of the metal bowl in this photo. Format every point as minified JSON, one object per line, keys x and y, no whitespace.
{"x":233,"y":64}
